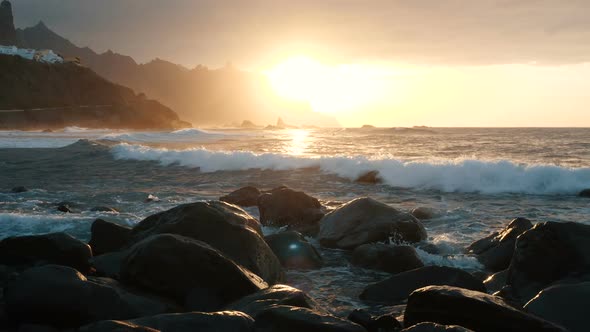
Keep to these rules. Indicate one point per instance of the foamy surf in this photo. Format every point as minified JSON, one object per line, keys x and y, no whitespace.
{"x":466,"y":175}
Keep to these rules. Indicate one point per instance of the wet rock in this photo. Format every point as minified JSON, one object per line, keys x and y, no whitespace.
{"x":19,"y":189}
{"x":584,"y":193}
{"x":286,"y":207}
{"x":398,"y":287}
{"x":496,"y":281}
{"x":433,"y":327}
{"x":54,"y":248}
{"x":470,"y":309}
{"x":371,"y":177}
{"x":366,"y":220}
{"x":424,"y":213}
{"x":294,"y":251}
{"x":108,"y":237}
{"x":276,"y":295}
{"x":495,"y":251}
{"x":388,"y":258}
{"x":115,"y":326}
{"x":152,"y":199}
{"x":428,"y":247}
{"x":180,"y":322}
{"x":64,"y":208}
{"x":187,"y":270}
{"x":385,"y":323}
{"x":566,"y":305}
{"x":246,"y":196}
{"x":36,"y":328}
{"x":109,"y":264}
{"x":104,"y":209}
{"x":223,"y":226}
{"x":282,"y":318}
{"x":61,"y":296}
{"x":547,"y":253}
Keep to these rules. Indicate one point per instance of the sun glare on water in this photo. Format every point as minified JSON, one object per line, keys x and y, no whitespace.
{"x":329,"y":89}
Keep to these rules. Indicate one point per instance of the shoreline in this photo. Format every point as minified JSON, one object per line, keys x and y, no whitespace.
{"x":280,"y":206}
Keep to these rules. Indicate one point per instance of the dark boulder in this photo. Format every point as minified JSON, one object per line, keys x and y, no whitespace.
{"x":61,"y":296}
{"x":547,"y":253}
{"x":286,"y":207}
{"x":424,"y":213}
{"x":108,"y":237}
{"x":64,"y":208}
{"x":223,"y":226}
{"x":181,"y":322}
{"x":584,"y":193}
{"x":115,"y":326}
{"x":398,"y":287}
{"x":276,"y":295}
{"x":188,"y":271}
{"x":246,"y":196}
{"x":474,"y":310}
{"x":371,"y":177}
{"x":36,"y":328}
{"x":496,"y":281}
{"x":109,"y":264}
{"x":433,"y":327}
{"x":365,"y":220}
{"x":388,"y":258}
{"x":282,"y":318}
{"x":294,"y":251}
{"x":54,"y":248}
{"x":19,"y":189}
{"x":566,"y":305}
{"x":495,"y":251}
{"x":385,"y":323}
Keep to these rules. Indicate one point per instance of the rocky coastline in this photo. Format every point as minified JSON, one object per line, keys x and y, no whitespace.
{"x":207,"y":266}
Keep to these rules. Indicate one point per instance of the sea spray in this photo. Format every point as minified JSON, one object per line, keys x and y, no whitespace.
{"x":460,"y":175}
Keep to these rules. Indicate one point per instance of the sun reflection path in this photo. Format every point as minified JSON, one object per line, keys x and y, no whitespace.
{"x":299,"y":142}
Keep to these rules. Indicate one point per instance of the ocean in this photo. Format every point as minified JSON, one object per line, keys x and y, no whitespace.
{"x":476,"y":179}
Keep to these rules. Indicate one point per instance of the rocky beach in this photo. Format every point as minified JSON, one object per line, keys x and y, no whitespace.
{"x":95,"y":242}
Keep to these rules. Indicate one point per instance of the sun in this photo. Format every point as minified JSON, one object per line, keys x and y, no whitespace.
{"x":328,"y":88}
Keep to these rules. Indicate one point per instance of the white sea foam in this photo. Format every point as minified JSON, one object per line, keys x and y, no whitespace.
{"x":449,"y":176}
{"x":459,"y":261}
{"x":18,"y":224}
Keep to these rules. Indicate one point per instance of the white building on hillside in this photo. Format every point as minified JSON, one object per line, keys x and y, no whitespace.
{"x":47,"y":56}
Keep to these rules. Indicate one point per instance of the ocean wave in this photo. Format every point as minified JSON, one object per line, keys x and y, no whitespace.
{"x":74,"y":129}
{"x":179,"y":136}
{"x":467,"y":175}
{"x":18,"y":224}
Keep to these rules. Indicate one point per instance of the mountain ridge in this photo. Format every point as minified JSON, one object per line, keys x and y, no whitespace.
{"x":201,"y":95}
{"x":38,"y":95}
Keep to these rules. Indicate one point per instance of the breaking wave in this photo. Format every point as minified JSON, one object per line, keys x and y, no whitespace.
{"x":467,"y":175}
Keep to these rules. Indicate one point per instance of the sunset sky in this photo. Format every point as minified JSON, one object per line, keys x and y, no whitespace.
{"x":381,"y":62}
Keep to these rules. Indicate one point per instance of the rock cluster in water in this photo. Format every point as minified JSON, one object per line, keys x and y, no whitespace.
{"x":206,"y":266}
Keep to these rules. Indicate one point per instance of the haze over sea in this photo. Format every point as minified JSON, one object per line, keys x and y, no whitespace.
{"x":476,"y":179}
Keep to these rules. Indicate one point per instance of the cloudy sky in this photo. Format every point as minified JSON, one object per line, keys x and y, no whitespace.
{"x":249,"y":31}
{"x":472,"y":63}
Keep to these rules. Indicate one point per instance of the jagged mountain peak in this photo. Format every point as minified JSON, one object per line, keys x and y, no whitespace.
{"x":41,"y":26}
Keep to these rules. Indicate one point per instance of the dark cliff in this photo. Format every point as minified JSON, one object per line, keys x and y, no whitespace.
{"x":7,"y":31}
{"x":35,"y":95}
